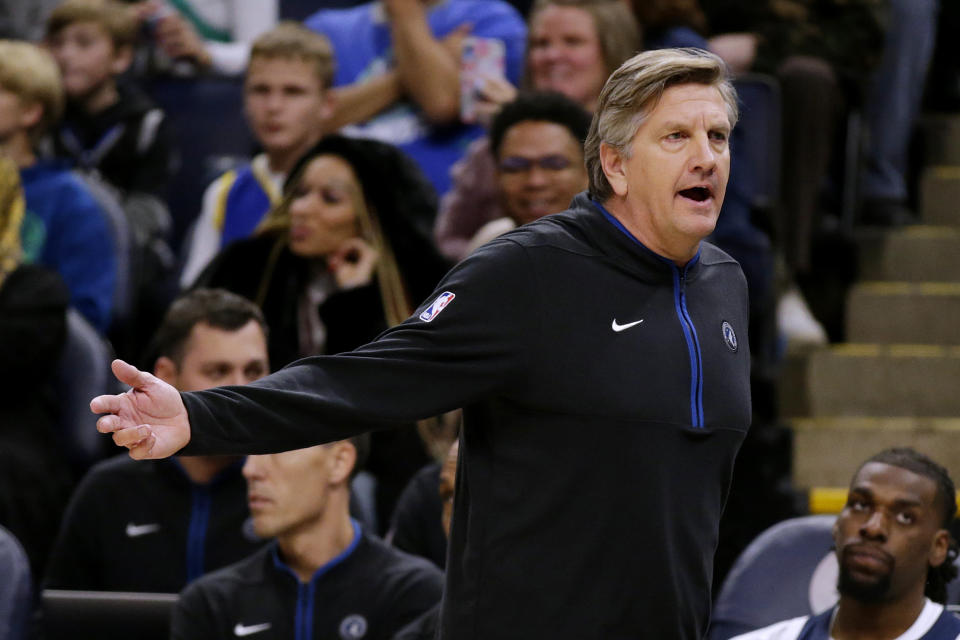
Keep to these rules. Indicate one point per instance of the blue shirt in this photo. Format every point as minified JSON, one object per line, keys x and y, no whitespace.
{"x":76,"y":239}
{"x":362,"y":45}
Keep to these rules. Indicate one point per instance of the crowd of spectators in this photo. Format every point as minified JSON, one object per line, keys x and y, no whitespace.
{"x":366,"y":181}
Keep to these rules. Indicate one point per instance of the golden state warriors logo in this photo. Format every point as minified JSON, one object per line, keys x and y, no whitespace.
{"x":729,"y":336}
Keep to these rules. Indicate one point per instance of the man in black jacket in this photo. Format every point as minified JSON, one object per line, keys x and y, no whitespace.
{"x":194,"y":518}
{"x":600,"y":358}
{"x":323,"y":577}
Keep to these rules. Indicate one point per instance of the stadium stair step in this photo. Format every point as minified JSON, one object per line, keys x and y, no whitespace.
{"x":940,"y":195}
{"x":897,"y":381}
{"x":874,"y":380}
{"x":941,"y":139}
{"x":912,"y":312}
{"x":918,"y":253}
{"x":827,"y":449}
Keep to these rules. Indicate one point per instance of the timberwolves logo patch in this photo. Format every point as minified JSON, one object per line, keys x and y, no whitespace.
{"x":438,"y":305}
{"x":353,"y":627}
{"x":248,"y":533}
{"x":729,"y":336}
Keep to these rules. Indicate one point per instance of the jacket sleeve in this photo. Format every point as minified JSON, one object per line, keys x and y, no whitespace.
{"x":475,"y":347}
{"x":352,"y":317}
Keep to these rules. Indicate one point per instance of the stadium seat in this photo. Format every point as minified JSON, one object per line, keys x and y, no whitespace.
{"x":82,"y":373}
{"x":121,"y":234}
{"x":15,"y":588}
{"x":789,"y":570}
{"x":106,"y":615}
{"x":756,"y":139}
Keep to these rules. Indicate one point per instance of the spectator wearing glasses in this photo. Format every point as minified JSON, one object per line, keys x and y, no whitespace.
{"x":537,"y":141}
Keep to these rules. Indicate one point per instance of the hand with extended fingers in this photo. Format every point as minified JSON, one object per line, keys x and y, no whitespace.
{"x":150,"y":419}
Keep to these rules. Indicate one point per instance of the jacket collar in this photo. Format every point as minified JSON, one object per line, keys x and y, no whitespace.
{"x":618,"y":244}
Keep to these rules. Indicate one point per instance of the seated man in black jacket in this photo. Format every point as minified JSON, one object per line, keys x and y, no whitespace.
{"x":195,"y":519}
{"x":322,"y":577}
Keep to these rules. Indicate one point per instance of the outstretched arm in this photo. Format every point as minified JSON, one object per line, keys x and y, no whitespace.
{"x":470,"y":343}
{"x":150,"y":419}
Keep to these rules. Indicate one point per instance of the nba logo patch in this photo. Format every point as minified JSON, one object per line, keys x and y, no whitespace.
{"x":438,"y":305}
{"x":729,"y":336}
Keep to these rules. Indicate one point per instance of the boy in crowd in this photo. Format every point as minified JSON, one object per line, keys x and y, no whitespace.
{"x":196,"y":518}
{"x":64,"y":229}
{"x":286,"y":105}
{"x":109,"y":126}
{"x":322,"y":577}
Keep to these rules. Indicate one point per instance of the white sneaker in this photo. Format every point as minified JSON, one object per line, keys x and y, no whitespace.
{"x":796,"y":323}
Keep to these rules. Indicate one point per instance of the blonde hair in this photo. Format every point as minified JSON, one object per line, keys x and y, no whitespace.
{"x":632,"y":93}
{"x":393,"y":294}
{"x":31,"y":74}
{"x":291,"y":39}
{"x":616,"y":26}
{"x":11,"y":217}
{"x":115,"y":18}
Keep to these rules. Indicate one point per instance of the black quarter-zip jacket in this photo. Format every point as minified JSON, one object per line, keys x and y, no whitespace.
{"x":367,"y":592}
{"x":605,"y":395}
{"x":135,"y":526}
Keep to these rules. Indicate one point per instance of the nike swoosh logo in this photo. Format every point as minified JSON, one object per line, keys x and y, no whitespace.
{"x":623,"y":327}
{"x":241,"y":630}
{"x":137,"y":530}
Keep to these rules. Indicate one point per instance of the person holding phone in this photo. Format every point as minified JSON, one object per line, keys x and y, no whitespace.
{"x":336,"y":263}
{"x":399,"y":67}
{"x":573,"y":46}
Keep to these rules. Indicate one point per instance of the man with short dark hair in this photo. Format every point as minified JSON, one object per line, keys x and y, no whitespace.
{"x":537,"y":141}
{"x":601,"y":360}
{"x":323,"y":577}
{"x":895,"y":556}
{"x":156,"y":527}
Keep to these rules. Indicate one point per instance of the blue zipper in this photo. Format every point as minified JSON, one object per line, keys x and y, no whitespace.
{"x":197,"y":533}
{"x":303,"y":612}
{"x":303,"y":619}
{"x":686,"y":323}
{"x":693,"y":344}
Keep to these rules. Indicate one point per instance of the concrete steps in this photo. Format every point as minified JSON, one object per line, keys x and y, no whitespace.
{"x":874,"y":380}
{"x":920,"y":253}
{"x":940,"y":195}
{"x":941,"y":139}
{"x":911,"y":312}
{"x":828,"y":450}
{"x":897,"y":381}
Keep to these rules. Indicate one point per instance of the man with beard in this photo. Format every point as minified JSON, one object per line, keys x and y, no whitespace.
{"x":895,"y":555}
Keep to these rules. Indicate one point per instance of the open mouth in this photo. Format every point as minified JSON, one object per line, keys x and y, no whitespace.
{"x":697,"y":194}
